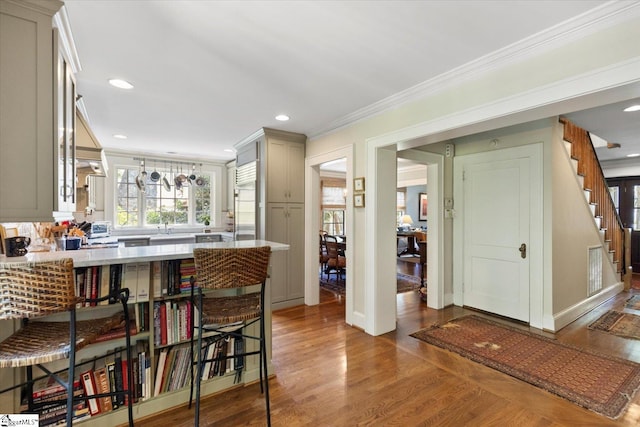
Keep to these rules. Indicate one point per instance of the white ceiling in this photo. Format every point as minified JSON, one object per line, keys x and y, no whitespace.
{"x":207,"y":74}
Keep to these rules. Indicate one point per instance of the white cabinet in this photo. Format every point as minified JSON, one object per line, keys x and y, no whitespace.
{"x":28,"y":183}
{"x":285,"y":170}
{"x":285,"y":223}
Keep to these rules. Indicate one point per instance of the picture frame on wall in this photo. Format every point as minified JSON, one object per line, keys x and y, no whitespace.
{"x":358,"y":200}
{"x":422,"y":208}
{"x":358,"y":184}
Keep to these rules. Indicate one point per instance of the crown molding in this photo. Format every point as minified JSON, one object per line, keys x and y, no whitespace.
{"x":607,"y":15}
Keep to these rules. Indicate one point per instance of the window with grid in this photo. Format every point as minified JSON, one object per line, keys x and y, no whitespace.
{"x":333,"y":206}
{"x":155,"y":206}
{"x":401,"y":205}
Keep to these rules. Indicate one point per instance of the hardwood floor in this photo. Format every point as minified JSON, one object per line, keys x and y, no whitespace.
{"x":330,"y":374}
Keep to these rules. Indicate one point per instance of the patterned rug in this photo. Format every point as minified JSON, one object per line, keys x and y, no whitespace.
{"x":633,"y":302}
{"x":617,"y":323}
{"x":405,"y":283}
{"x":598,"y":382}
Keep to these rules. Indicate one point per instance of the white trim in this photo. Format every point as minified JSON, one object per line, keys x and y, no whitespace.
{"x":568,"y":315}
{"x":436,"y":297}
{"x":609,"y":14}
{"x":312,"y":221}
{"x":61,"y":21}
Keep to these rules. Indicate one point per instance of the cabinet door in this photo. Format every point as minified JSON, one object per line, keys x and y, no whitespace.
{"x":295,"y":173}
{"x":65,"y":113}
{"x":277,"y":231}
{"x":277,"y":175}
{"x":295,"y":232}
{"x":26,"y":114}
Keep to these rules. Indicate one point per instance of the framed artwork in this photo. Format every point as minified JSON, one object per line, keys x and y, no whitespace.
{"x":422,"y":209}
{"x":358,"y":184}
{"x":358,"y":200}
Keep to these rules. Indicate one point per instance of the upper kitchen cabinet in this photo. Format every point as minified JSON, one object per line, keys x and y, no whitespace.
{"x":285,"y":166}
{"x":64,"y":95}
{"x":37,"y":108}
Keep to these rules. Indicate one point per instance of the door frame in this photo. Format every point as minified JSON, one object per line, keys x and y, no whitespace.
{"x":312,"y":221}
{"x":536,"y":233}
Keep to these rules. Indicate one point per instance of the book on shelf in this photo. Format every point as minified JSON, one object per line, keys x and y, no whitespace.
{"x":119,"y":377}
{"x":130,"y":280}
{"x":143,"y":281}
{"x":102,"y":386}
{"x":111,"y":371}
{"x":161,"y":366}
{"x":90,"y":389}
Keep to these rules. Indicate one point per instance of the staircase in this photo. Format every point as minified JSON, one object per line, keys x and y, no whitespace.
{"x":587,"y":167}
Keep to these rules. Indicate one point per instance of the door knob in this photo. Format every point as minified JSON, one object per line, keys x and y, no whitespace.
{"x":523,"y":250}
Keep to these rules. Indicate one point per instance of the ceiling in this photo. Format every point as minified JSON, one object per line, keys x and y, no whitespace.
{"x":207,"y":74}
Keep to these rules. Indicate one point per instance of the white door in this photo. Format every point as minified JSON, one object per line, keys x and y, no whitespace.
{"x":497,"y":191}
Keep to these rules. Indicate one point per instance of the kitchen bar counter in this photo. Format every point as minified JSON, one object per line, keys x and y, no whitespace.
{"x":85,"y":258}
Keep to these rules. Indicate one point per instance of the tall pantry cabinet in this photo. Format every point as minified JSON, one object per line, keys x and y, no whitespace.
{"x":280,"y":209}
{"x":36,"y":100}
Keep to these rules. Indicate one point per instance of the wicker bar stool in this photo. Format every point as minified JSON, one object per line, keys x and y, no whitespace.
{"x":30,"y":290}
{"x":239,"y":274}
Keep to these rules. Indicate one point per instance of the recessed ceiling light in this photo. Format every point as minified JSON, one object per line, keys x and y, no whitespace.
{"x":229,"y":150}
{"x":121,"y":84}
{"x":633,"y":155}
{"x":632,"y":108}
{"x":119,"y":136}
{"x":282,"y":117}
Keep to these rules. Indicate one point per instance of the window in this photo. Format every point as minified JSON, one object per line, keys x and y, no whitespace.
{"x":156,"y":206}
{"x":401,"y":205}
{"x":333,"y":205}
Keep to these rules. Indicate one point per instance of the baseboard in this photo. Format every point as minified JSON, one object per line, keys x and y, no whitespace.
{"x":287,"y":304}
{"x":563,"y":318}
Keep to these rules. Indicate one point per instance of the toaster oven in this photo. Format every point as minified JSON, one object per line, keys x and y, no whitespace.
{"x":100,"y":229}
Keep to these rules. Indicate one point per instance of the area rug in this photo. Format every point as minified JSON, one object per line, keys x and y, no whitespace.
{"x":598,"y":382}
{"x":405,"y":283}
{"x":617,"y":323}
{"x":633,"y":302}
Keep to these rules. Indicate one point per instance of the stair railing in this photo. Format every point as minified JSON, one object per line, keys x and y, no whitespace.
{"x":589,"y":167}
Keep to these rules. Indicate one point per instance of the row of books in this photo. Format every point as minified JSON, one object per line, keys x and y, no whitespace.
{"x":172,"y":321}
{"x":172,"y":277}
{"x":175,"y":363}
{"x":98,"y":281}
{"x":111,"y":375}
{"x":53,"y":395}
{"x":215,"y":363}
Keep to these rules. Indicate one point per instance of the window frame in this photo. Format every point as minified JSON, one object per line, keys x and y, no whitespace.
{"x":215,"y":171}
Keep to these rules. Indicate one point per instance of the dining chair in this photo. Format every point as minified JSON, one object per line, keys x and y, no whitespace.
{"x":337,"y":261}
{"x":323,"y":255}
{"x":230,"y":285}
{"x":34,"y":290}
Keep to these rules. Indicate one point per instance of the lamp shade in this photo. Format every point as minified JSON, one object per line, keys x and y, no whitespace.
{"x":406,"y":220}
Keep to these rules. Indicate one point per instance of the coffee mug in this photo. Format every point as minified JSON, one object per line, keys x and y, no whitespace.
{"x":16,"y":246}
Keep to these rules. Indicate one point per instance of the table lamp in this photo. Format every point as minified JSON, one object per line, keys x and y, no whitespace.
{"x":406,"y":221}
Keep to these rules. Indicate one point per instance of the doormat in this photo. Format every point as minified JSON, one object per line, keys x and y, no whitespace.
{"x":617,"y":323}
{"x":598,"y":382}
{"x":633,"y":302}
{"x":405,"y":283}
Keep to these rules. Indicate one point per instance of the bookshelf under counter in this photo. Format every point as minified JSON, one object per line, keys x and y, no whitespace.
{"x":147,"y":295}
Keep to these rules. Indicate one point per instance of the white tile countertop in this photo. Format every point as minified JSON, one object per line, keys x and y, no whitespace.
{"x":122,"y":255}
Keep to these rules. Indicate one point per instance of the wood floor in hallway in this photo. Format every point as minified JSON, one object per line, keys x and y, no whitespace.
{"x":327,"y":373}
